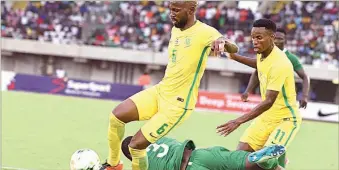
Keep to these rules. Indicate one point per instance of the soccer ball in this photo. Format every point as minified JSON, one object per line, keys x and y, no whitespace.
{"x":85,"y":159}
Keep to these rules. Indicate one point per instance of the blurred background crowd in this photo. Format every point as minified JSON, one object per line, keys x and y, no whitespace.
{"x":312,"y":27}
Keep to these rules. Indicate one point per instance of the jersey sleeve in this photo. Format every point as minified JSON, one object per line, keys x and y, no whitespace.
{"x":276,"y":79}
{"x":211,"y":35}
{"x":165,"y":140}
{"x":295,"y":62}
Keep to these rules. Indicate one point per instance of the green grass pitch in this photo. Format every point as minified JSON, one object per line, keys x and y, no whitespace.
{"x":42,"y":131}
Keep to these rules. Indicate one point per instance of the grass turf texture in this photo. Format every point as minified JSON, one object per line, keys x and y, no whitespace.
{"x":42,"y":132}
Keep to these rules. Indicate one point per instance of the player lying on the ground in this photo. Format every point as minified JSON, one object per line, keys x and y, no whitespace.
{"x":169,"y":154}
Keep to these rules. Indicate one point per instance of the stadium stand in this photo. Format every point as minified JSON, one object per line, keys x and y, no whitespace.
{"x":66,"y":65}
{"x":145,"y":25}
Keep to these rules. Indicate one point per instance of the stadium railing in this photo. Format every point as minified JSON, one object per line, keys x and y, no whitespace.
{"x":140,"y":57}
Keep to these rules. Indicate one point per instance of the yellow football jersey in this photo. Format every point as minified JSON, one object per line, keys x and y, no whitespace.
{"x":276,"y":73}
{"x":187,"y":55}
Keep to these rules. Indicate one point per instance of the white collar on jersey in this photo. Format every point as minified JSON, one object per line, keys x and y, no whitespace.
{"x":284,"y":50}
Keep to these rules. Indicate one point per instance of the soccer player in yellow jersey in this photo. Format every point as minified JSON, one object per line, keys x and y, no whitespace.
{"x":279,"y":41}
{"x":170,"y":102}
{"x":276,"y":118}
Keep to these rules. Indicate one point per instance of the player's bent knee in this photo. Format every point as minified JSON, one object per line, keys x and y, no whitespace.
{"x":245,"y":147}
{"x":114,"y":122}
{"x":126,"y":111}
{"x":139,"y":141}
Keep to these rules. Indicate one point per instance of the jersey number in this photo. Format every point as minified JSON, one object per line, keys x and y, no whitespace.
{"x":281,"y":134}
{"x":156,"y":147}
{"x":162,"y":129}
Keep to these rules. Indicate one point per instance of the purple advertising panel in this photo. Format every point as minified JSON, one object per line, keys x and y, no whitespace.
{"x":73,"y":87}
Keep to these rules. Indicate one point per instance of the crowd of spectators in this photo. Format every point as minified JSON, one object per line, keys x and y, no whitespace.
{"x":312,"y":27}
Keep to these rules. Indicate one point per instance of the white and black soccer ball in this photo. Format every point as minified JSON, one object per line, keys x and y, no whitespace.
{"x":85,"y":159}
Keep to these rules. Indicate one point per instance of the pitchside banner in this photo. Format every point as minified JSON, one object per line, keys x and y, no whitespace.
{"x":72,"y":87}
{"x":231,"y":103}
{"x":6,"y":78}
{"x":226,"y":102}
{"x":222,"y":102}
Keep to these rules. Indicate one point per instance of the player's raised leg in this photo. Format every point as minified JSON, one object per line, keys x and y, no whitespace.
{"x":244,"y":146}
{"x":266,"y":158}
{"x":248,"y":142}
{"x":221,"y":158}
{"x":283,"y":135}
{"x":282,"y":160}
{"x":137,"y":148}
{"x":167,"y":118}
{"x":255,"y":136}
{"x":123,"y":113}
{"x":263,"y":159}
{"x":141,"y":106}
{"x":269,"y":152}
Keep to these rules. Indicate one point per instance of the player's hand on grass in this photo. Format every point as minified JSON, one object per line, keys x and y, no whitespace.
{"x":228,"y":127}
{"x":303,"y":102}
{"x":244,"y":97}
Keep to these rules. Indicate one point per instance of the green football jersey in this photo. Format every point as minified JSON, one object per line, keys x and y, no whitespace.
{"x":167,"y":153}
{"x":217,"y":158}
{"x":294,"y":60}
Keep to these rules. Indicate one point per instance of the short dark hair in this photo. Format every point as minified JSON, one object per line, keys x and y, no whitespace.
{"x":282,"y":30}
{"x":124,"y":147}
{"x":267,"y":23}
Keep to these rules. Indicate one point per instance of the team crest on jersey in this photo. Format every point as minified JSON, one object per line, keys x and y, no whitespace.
{"x":187,"y":42}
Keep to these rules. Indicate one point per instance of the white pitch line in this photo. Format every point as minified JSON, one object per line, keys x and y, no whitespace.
{"x":13,"y":168}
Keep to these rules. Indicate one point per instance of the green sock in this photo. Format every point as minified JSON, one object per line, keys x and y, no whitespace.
{"x":269,"y":164}
{"x":282,"y":161}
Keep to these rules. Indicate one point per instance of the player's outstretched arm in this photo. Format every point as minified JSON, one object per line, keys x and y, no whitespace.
{"x":306,"y":87}
{"x":298,"y":68}
{"x":251,"y":62}
{"x":230,"y":126}
{"x":222,"y":44}
{"x":271,"y":96}
{"x":252,"y":84}
{"x":230,"y":47}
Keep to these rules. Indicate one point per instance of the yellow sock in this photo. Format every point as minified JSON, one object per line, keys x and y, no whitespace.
{"x":139,"y":159}
{"x":116,"y":132}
